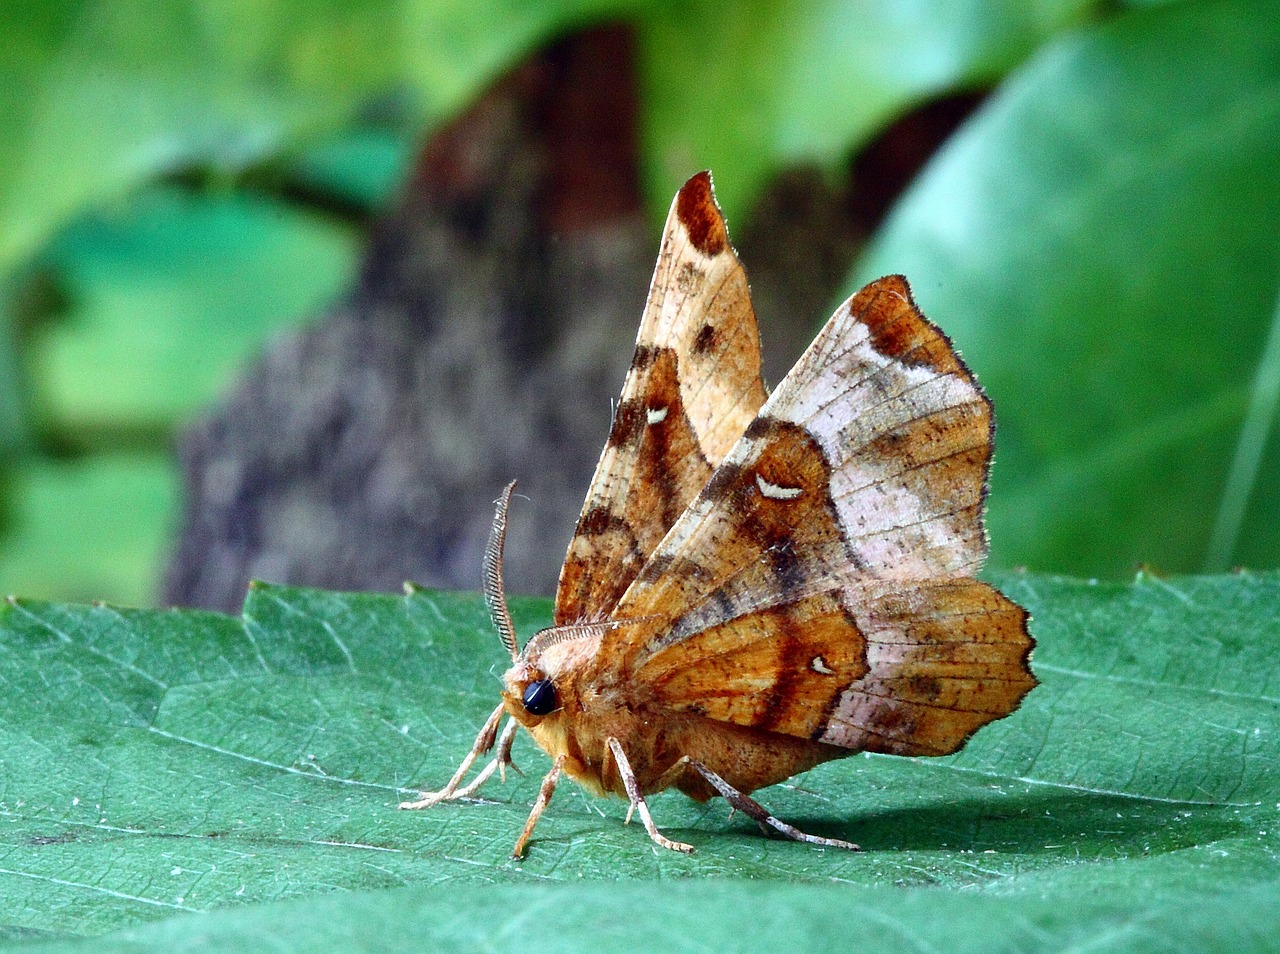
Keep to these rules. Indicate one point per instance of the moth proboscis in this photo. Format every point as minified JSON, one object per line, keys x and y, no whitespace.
{"x":760,"y":583}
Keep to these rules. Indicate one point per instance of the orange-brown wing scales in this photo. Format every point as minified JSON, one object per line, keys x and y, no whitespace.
{"x":907,"y":672}
{"x":778,"y":670}
{"x":666,"y":467}
{"x":943,"y":659}
{"x":693,"y":388}
{"x":763,"y":532}
{"x":860,"y":463}
{"x":846,"y":523}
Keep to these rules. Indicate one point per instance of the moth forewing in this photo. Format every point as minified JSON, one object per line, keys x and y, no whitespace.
{"x":693,"y":387}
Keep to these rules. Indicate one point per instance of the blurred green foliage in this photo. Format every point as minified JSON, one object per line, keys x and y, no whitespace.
{"x":1110,"y":212}
{"x":1103,"y":241}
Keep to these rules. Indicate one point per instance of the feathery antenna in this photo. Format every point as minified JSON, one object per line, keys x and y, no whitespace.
{"x":495,"y":593}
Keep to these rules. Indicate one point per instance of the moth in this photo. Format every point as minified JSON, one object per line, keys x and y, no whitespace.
{"x":759,"y":583}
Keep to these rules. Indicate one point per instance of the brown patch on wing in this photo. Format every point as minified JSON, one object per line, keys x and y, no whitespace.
{"x":899,"y":330}
{"x":906,"y":430}
{"x":737,"y":545}
{"x":697,"y":211}
{"x":738,"y":583}
{"x":693,"y":388}
{"x":706,"y":339}
{"x":667,"y":468}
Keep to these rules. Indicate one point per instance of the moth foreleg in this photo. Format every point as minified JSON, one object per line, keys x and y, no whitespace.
{"x":753,"y":809}
{"x":638,"y":803}
{"x":501,"y":759}
{"x":544,"y":796}
{"x":484,"y":742}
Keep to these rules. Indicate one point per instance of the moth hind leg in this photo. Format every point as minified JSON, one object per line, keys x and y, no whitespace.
{"x":485,"y":741}
{"x":761,"y":815}
{"x":638,"y":803}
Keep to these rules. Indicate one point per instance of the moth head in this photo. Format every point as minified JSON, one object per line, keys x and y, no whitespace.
{"x":547,"y":678}
{"x":536,"y":684}
{"x":529,"y":693}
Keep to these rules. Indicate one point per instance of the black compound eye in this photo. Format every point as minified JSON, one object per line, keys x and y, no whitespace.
{"x":539,"y":697}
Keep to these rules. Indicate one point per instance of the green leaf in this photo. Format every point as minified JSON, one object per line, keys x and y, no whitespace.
{"x":167,"y":762}
{"x":361,"y":166}
{"x":86,"y":526}
{"x":146,"y":282}
{"x":1103,"y":240}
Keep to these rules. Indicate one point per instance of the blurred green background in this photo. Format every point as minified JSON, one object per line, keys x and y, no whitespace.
{"x":1102,"y":237}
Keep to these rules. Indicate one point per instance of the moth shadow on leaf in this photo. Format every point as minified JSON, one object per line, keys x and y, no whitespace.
{"x":1071,"y":821}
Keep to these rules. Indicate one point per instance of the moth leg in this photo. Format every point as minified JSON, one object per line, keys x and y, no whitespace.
{"x":632,"y":786}
{"x":544,"y":796}
{"x":501,"y":759}
{"x":484,"y":742}
{"x":665,"y":780}
{"x":753,"y":809}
